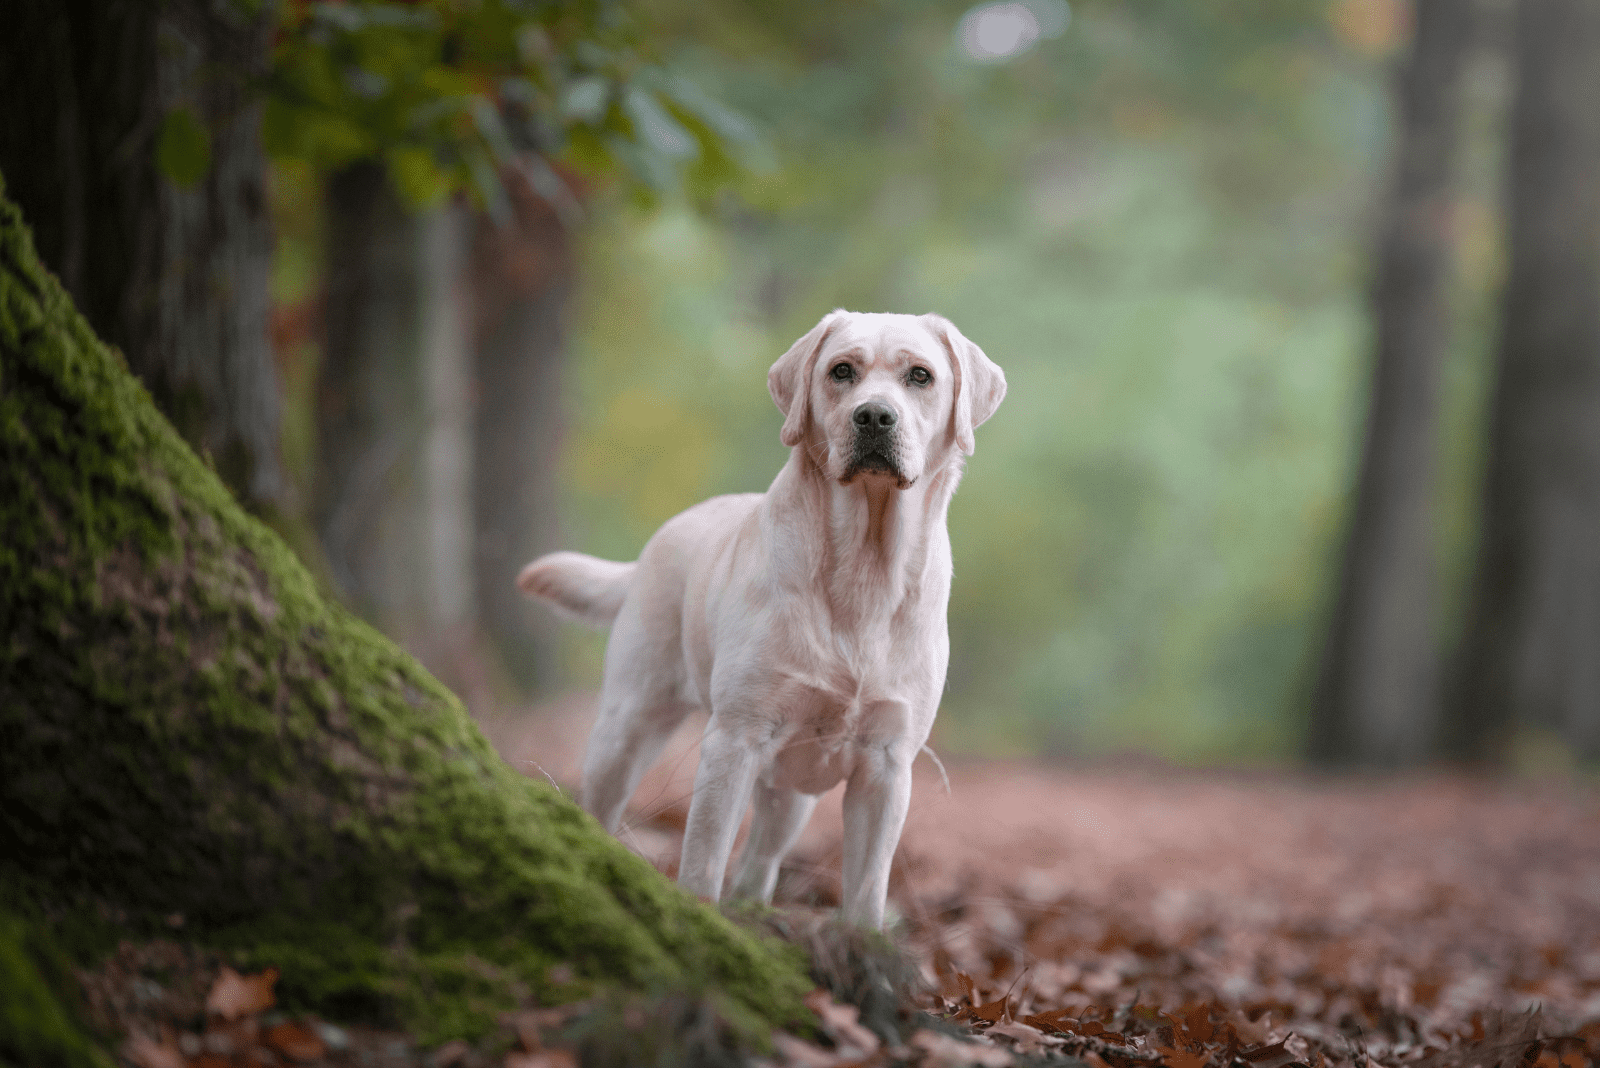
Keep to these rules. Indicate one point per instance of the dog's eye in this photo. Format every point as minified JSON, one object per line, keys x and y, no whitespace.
{"x":842,"y":372}
{"x":920,"y":376}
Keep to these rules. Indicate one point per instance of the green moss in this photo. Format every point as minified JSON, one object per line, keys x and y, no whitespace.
{"x":190,"y":727}
{"x":37,"y":1029}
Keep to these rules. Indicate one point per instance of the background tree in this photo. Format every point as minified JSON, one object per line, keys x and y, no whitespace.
{"x":523,"y":277}
{"x":1375,"y":700}
{"x":392,"y":500}
{"x":1529,"y":656}
{"x":139,"y":157}
{"x":439,"y":398}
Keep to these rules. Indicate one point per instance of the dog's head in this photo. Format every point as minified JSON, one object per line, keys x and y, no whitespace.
{"x":883,"y":396}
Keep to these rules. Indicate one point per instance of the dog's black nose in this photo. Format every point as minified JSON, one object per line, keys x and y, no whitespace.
{"x":875,"y":416}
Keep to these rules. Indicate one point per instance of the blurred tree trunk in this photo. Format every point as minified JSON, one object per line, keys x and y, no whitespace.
{"x":1375,"y":699}
{"x":393,"y":503}
{"x":138,"y":154}
{"x":189,"y":728}
{"x":1531,"y":656}
{"x":439,"y":412}
{"x":523,"y":281}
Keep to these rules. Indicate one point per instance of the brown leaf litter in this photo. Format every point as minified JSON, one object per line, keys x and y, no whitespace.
{"x":1118,"y":919}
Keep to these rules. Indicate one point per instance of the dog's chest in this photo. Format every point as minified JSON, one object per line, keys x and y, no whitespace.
{"x":819,"y":745}
{"x":829,"y":724}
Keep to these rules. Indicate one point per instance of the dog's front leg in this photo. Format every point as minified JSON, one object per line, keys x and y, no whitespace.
{"x":728,"y":767}
{"x":875,"y":805}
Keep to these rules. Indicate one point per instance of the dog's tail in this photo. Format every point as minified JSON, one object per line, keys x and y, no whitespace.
{"x":584,"y":589}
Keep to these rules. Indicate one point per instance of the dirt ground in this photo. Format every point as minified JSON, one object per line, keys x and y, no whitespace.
{"x":1149,"y":913}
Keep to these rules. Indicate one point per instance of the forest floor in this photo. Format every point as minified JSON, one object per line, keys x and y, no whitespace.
{"x":1142,"y":914}
{"x":1125,"y":916}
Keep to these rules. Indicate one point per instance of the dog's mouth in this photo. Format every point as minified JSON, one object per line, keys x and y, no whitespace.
{"x":874,"y":458}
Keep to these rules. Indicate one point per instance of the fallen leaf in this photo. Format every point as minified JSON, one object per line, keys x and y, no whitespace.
{"x":945,"y":1051}
{"x":448,"y":1054}
{"x":1061,"y":1020}
{"x":1197,"y":1022}
{"x":296,"y":1041}
{"x":530,"y":1024}
{"x":1254,"y":1032}
{"x":798,"y":1053}
{"x":545,"y":1058}
{"x":226,"y":1038}
{"x":234,"y":995}
{"x":1026,"y":1037}
{"x":1564,"y":1052}
{"x":147,"y":1052}
{"x":1276,"y":1055}
{"x":992,"y":1011}
{"x":1181,"y":1058}
{"x":842,"y":1023}
{"x":958,"y":987}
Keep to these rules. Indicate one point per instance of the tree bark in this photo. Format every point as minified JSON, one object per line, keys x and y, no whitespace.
{"x":523,"y":276}
{"x":187,"y":727}
{"x":1531,"y":656}
{"x":1375,"y":701}
{"x":393,"y":506}
{"x":175,"y":273}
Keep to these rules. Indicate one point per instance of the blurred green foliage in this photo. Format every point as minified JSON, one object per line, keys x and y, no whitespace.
{"x":1156,"y":218}
{"x":1155,"y":221}
{"x":447,"y":92}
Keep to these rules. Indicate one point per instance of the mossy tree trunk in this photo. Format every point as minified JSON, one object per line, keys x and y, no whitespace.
{"x":188,"y":728}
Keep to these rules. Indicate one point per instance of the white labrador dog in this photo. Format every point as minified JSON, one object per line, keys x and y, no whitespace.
{"x":808,"y":620}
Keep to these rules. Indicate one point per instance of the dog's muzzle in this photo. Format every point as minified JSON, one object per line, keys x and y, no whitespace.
{"x":876,"y":450}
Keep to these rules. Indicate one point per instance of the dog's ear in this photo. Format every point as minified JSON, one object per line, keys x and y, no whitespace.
{"x":789,"y":380}
{"x":980,"y":384}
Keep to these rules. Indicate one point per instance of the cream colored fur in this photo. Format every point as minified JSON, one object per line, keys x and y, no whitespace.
{"x":809,"y":621}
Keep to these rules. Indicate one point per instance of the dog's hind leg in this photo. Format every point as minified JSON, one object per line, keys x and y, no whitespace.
{"x":777,"y":820}
{"x":627,"y":738}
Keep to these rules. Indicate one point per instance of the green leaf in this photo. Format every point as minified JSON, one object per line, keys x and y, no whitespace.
{"x":486,"y":117}
{"x":655,"y":127}
{"x":722,"y":120}
{"x":417,"y":176}
{"x":449,"y":92}
{"x":585,"y":100}
{"x":486,"y":179}
{"x":549,"y":185}
{"x":183,"y":148}
{"x":587,"y":153}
